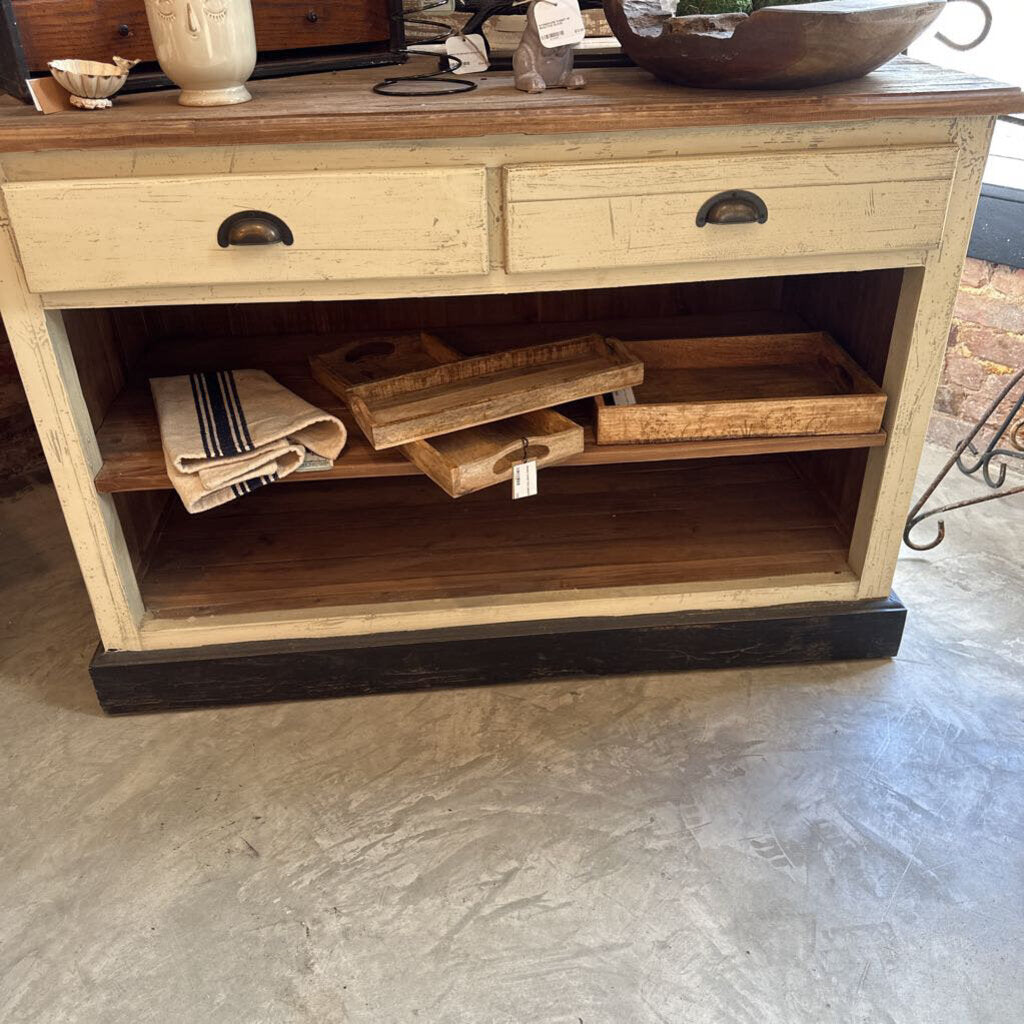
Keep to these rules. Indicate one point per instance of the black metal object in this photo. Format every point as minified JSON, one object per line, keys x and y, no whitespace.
{"x":994,"y":455}
{"x":426,"y":83}
{"x":249,"y":673}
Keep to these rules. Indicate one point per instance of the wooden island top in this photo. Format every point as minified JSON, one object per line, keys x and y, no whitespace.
{"x":341,"y":106}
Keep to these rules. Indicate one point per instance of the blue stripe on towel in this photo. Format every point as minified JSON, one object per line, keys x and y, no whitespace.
{"x":238,"y":407}
{"x":237,"y":417}
{"x":204,"y":396}
{"x":200,"y":417}
{"x":226,"y":441}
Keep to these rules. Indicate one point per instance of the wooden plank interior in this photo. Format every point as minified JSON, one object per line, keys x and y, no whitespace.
{"x":141,"y":513}
{"x":341,"y":106}
{"x":397,"y":540}
{"x":857,"y":309}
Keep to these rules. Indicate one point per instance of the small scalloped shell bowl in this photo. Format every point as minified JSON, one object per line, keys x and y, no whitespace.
{"x":90,"y":82}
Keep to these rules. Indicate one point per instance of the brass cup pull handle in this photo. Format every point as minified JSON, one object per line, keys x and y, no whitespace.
{"x":733,"y":207}
{"x":253,"y":227}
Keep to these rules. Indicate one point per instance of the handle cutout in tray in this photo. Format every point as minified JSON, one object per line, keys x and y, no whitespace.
{"x":370,"y":350}
{"x":533,"y":451}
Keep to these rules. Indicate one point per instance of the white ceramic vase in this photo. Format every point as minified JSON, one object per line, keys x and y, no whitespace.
{"x":206,"y":47}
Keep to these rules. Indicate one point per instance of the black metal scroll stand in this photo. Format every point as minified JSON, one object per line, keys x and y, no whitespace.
{"x":994,"y":456}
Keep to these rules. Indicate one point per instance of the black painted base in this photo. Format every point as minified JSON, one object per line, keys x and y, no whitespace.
{"x":514,"y":653}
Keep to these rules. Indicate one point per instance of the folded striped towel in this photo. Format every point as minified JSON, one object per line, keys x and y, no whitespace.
{"x":225,"y":434}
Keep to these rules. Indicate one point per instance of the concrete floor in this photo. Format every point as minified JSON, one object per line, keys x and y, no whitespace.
{"x":833,"y":843}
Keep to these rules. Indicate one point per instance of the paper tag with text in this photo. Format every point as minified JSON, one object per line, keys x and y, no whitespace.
{"x":524,"y":479}
{"x":624,"y":396}
{"x":559,"y":22}
{"x":470,"y":50}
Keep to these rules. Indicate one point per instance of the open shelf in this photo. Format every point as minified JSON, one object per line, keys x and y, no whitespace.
{"x":373,"y":541}
{"x":129,"y":440}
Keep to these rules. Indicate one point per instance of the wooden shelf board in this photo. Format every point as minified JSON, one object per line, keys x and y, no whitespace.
{"x":129,"y":439}
{"x":384,"y":540}
{"x":133,"y":458}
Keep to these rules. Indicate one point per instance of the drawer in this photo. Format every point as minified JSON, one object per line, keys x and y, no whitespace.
{"x":636,"y":213}
{"x":93,"y":29}
{"x":75,"y":235}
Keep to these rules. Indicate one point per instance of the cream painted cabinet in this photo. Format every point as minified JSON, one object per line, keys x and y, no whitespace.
{"x":153,"y":240}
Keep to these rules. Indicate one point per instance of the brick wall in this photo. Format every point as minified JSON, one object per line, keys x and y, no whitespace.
{"x":986,"y":346}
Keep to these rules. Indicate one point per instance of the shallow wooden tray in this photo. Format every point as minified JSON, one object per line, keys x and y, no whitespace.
{"x":766,"y":385}
{"x":367,"y":359}
{"x":454,"y":396}
{"x":478,"y":457}
{"x":467,"y":460}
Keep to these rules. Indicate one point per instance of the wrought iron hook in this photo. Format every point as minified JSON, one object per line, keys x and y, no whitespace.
{"x":1006,"y":428}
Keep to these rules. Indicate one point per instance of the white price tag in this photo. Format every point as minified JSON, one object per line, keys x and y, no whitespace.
{"x":470,"y":50}
{"x":624,"y":396}
{"x":524,"y":479}
{"x":559,"y":22}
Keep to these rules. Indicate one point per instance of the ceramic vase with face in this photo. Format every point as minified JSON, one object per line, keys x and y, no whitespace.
{"x":206,"y":47}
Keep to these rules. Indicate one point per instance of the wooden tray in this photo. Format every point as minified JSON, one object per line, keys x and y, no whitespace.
{"x":370,"y":359}
{"x":454,"y":396}
{"x":765,"y":385}
{"x":478,"y":457}
{"x":464,"y":461}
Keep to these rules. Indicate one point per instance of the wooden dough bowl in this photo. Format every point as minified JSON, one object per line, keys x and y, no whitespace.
{"x":773,"y":48}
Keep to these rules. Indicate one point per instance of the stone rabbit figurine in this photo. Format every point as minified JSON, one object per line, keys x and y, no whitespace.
{"x":536,"y":67}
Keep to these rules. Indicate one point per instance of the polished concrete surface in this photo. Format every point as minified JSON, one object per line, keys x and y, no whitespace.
{"x":840,"y":843}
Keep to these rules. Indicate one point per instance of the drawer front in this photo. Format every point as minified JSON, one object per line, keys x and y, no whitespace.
{"x":635,"y":213}
{"x":95,"y":29}
{"x":78,"y":235}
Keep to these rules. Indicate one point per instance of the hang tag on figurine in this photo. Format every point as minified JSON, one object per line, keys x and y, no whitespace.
{"x":624,"y":396}
{"x":559,"y":22}
{"x":470,"y":50}
{"x":524,"y":479}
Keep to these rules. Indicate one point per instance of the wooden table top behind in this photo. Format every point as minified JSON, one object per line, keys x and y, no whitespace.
{"x":341,"y":107}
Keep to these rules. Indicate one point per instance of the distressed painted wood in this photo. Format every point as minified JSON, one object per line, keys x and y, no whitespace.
{"x":495,"y":154}
{"x":428,"y":660}
{"x":347,"y":225}
{"x":912,"y":373}
{"x":48,"y":374}
{"x":624,"y":120}
{"x":646,"y":215}
{"x":608,"y":179}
